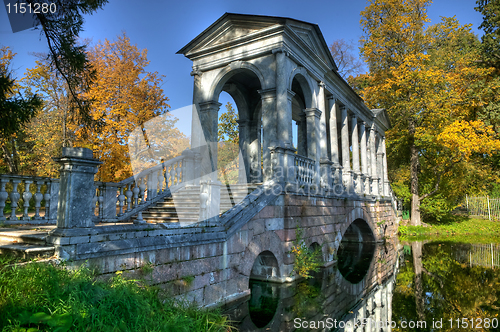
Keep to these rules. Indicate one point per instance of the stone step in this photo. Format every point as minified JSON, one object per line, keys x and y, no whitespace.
{"x":23,"y":236}
{"x":26,"y":251}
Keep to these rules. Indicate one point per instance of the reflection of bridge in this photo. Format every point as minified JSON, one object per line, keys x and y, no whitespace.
{"x":328,"y":299}
{"x":280,"y":74}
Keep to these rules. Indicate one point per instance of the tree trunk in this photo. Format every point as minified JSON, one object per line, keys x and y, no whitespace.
{"x":416,"y":249}
{"x":414,"y":167}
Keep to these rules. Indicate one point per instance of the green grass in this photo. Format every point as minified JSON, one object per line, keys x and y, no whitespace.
{"x":459,"y":227}
{"x":43,"y":297}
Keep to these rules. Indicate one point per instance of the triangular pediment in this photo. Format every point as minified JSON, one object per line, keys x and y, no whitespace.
{"x":311,"y":36}
{"x":234,"y":29}
{"x":382,"y":117}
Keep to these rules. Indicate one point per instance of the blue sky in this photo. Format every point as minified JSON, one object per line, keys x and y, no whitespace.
{"x":164,"y":27}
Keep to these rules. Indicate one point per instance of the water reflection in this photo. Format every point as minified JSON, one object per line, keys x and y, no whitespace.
{"x":360,"y":285}
{"x":447,"y":282}
{"x":354,"y":260}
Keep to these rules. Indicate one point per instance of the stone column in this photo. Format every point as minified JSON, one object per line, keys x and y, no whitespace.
{"x":77,"y":189}
{"x":283,"y":107}
{"x":244,"y":153}
{"x":254,"y":152}
{"x":373,"y":158}
{"x":346,"y":163}
{"x":380,"y":165}
{"x":302,"y":135}
{"x":196,"y":131}
{"x":334,"y":142}
{"x":322,"y":122}
{"x":269,"y":129}
{"x":313,"y":139}
{"x":384,"y":167}
{"x":209,"y":118}
{"x":355,"y":153}
{"x":364,"y":159}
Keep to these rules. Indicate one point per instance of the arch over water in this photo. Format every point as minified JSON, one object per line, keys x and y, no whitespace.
{"x":356,"y":251}
{"x":265,"y":267}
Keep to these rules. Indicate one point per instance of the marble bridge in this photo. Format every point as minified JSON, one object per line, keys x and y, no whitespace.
{"x":204,"y":240}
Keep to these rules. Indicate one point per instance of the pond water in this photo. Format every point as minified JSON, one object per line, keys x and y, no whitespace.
{"x":408,"y":286}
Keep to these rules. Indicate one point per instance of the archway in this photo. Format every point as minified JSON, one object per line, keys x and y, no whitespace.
{"x":265,"y":267}
{"x":301,"y":100}
{"x":243,"y":85}
{"x":356,"y":251}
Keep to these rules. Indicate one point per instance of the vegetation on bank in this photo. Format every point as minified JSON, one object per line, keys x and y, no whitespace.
{"x":44,"y":297}
{"x":459,"y":227}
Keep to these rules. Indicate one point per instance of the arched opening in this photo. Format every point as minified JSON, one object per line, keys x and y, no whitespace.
{"x":263,"y":302}
{"x":242,"y":87}
{"x":265,"y":267}
{"x":356,"y":251}
{"x":301,"y":100}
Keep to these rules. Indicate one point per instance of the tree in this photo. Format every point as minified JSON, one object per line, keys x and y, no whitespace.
{"x":228,"y":146}
{"x":15,"y":111}
{"x":490,"y":25}
{"x":347,"y":63}
{"x":429,"y":82}
{"x":61,"y":29}
{"x":125,"y":96}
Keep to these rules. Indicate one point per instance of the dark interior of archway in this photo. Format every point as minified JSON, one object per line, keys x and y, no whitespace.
{"x":263,"y":302}
{"x":356,"y":252}
{"x":299,"y":94}
{"x":248,"y":84}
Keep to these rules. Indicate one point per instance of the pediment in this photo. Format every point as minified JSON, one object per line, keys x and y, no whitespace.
{"x":315,"y":41}
{"x":233,"y":29}
{"x":382,"y":117}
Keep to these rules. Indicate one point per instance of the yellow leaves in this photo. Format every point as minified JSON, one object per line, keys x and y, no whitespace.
{"x":467,"y":137}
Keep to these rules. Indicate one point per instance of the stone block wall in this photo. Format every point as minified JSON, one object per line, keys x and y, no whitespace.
{"x":212,"y":266}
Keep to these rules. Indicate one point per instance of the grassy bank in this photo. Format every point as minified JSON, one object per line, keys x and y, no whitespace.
{"x":459,"y":227}
{"x":42,"y":297}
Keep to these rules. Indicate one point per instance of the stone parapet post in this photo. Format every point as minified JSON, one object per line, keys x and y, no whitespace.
{"x":76,"y":192}
{"x":209,"y":200}
{"x":191,"y":168}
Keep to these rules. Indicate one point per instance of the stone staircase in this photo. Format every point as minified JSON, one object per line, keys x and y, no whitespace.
{"x":26,"y":242}
{"x":184,"y":205}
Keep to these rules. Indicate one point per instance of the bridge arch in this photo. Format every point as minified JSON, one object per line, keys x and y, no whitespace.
{"x":264,"y":249}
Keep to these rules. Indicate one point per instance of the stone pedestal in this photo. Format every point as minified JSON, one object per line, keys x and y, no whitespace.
{"x":77,"y":189}
{"x":209,"y":200}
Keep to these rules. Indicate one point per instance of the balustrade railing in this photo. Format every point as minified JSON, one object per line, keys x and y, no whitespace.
{"x":304,"y":170}
{"x":119,"y":201}
{"x":28,"y":199}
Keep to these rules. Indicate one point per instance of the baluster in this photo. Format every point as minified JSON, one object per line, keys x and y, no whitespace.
{"x":121,"y":200}
{"x":46,"y":199}
{"x":38,"y":198}
{"x":160,"y":182}
{"x":142,"y":188}
{"x":183,"y":171}
{"x":94,"y":202}
{"x":3,"y":197}
{"x":136,"y":194}
{"x":26,"y":197}
{"x":172,"y":174}
{"x":178,"y":172}
{"x":129,"y":193}
{"x":100,"y":200}
{"x":14,"y":198}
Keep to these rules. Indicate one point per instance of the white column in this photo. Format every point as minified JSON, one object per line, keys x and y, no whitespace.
{"x":346,"y":163}
{"x":322,"y":122}
{"x":313,"y":140}
{"x":373,"y":158}
{"x":334,"y":143}
{"x":269,"y":129}
{"x":380,"y":165}
{"x":364,"y":160}
{"x":386,"y":174}
{"x":355,"y":153}
{"x":209,"y":120}
{"x":283,"y":107}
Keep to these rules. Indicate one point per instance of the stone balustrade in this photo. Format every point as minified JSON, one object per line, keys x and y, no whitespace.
{"x":305,"y":170}
{"x":28,"y":193}
{"x":114,"y":202}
